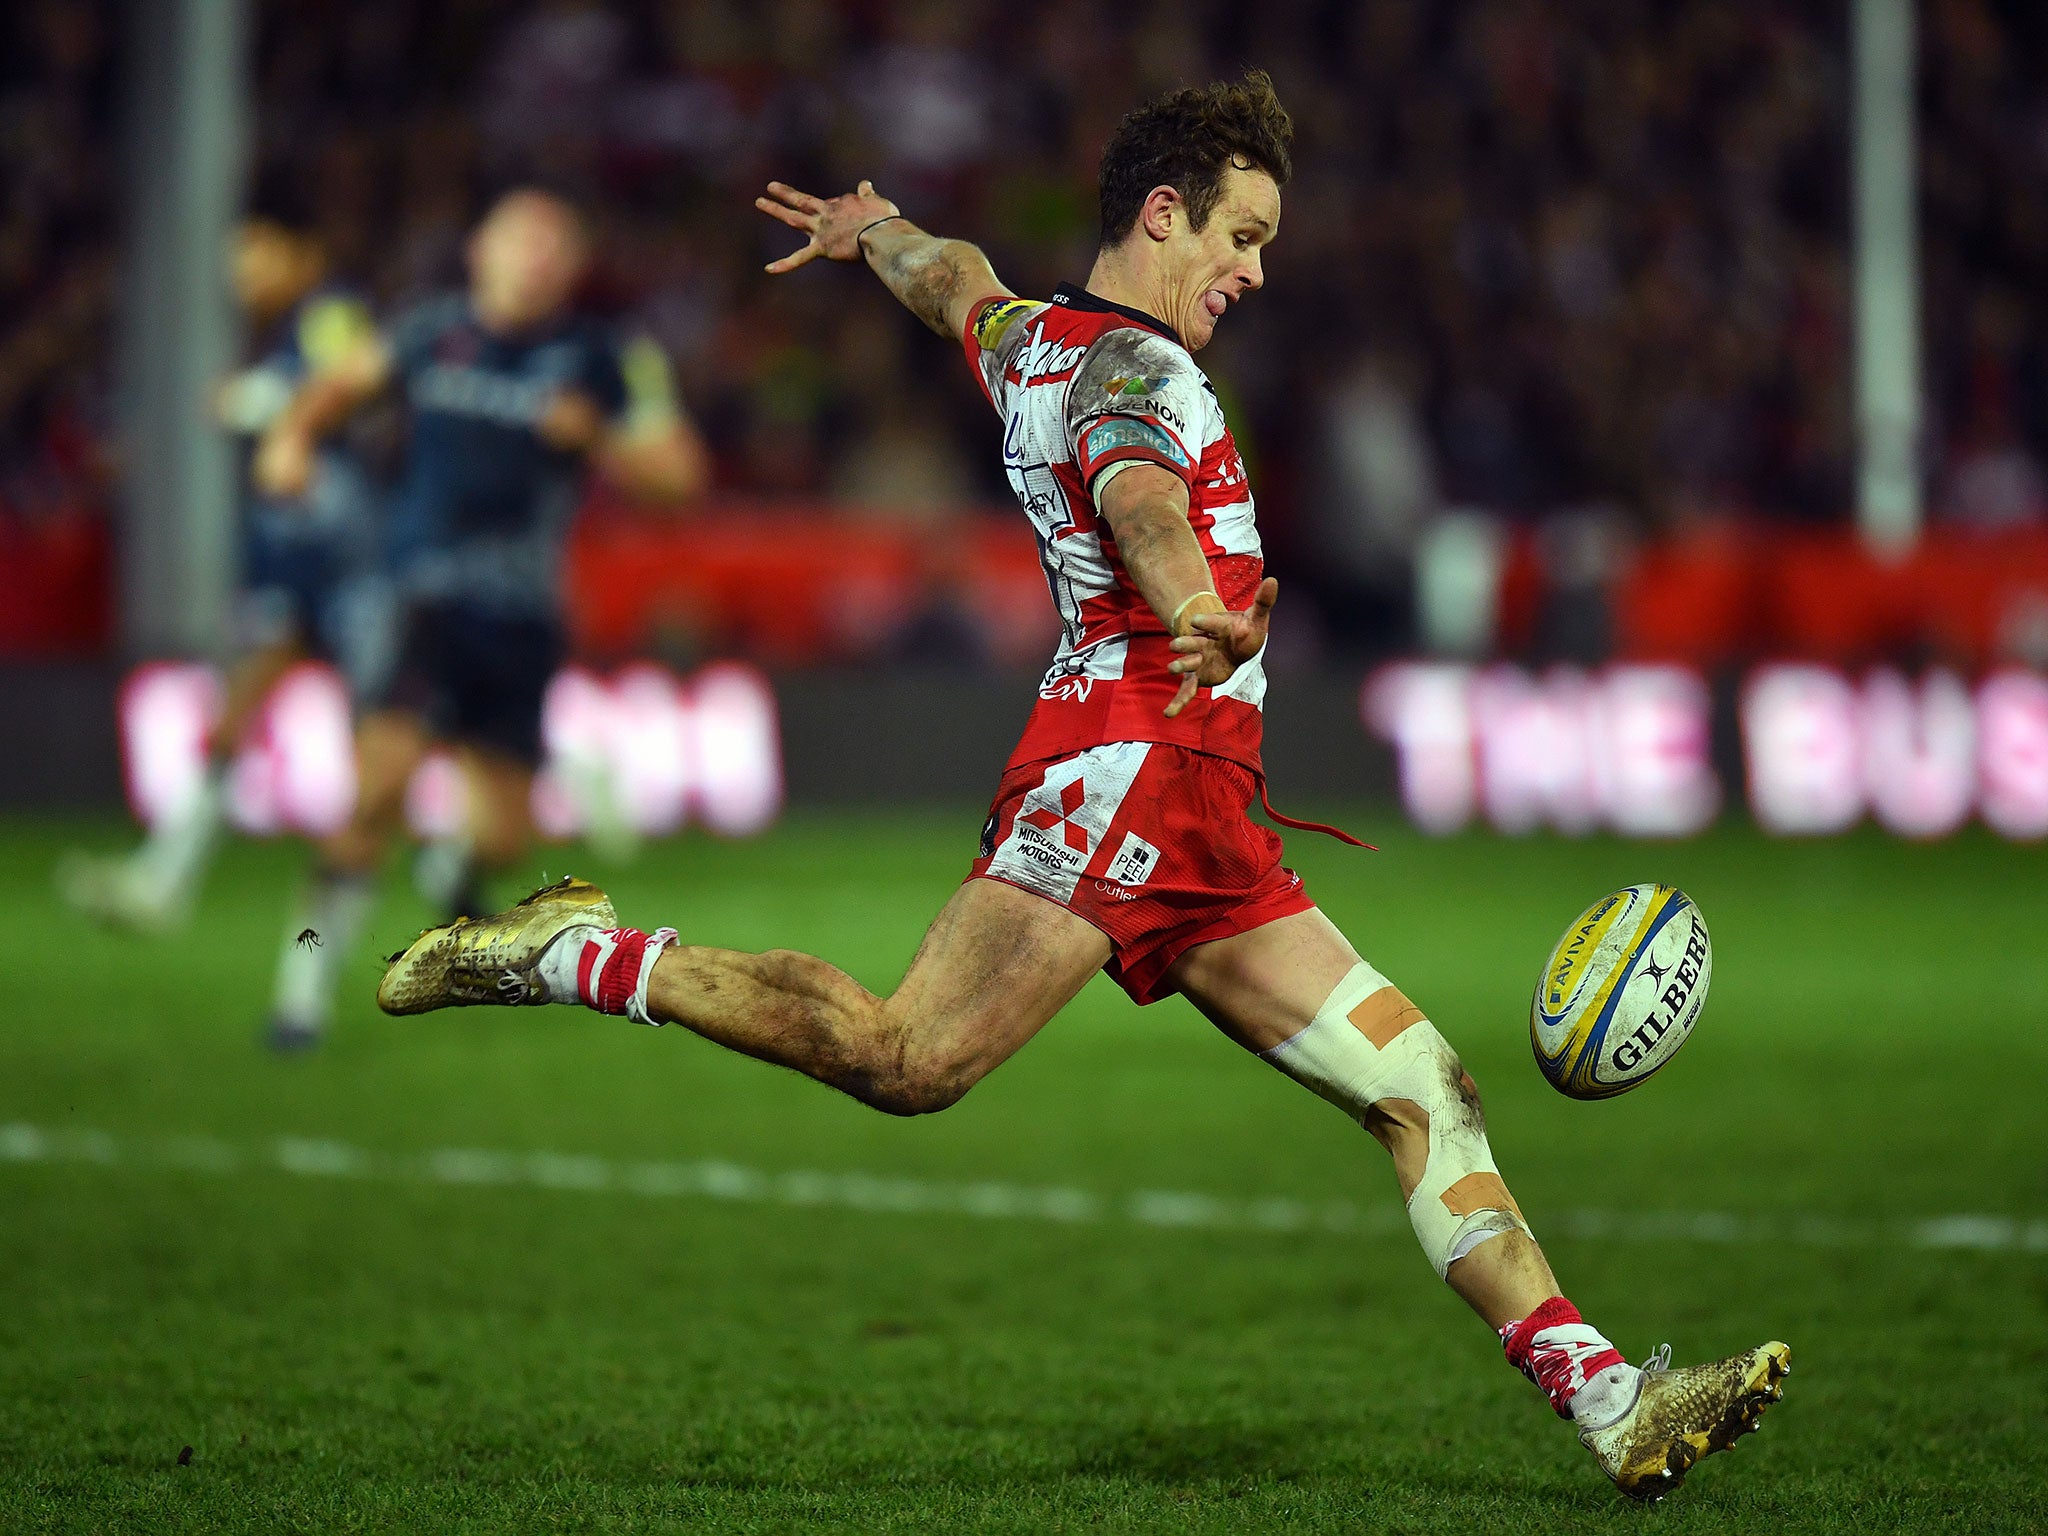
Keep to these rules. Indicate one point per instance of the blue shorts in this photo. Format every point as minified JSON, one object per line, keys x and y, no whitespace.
{"x":478,"y":677}
{"x":312,"y":593}
{"x":311,"y":577}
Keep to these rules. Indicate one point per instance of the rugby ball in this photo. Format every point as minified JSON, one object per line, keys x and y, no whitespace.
{"x":1621,"y":991}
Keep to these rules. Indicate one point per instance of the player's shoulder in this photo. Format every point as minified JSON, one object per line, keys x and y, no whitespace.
{"x":331,"y":322}
{"x":1131,"y":371}
{"x":1128,"y":361}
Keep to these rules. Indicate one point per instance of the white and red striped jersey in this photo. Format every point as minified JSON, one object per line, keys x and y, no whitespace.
{"x":1083,"y":385}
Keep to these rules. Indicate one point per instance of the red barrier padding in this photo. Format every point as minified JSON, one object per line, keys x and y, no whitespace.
{"x":56,"y":585}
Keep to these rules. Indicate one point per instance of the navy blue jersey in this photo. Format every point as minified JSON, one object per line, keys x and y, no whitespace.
{"x":483,"y":503}
{"x":315,"y":334}
{"x":311,"y":567}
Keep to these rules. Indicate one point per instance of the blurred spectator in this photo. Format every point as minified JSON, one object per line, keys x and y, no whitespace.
{"x":1548,"y":255}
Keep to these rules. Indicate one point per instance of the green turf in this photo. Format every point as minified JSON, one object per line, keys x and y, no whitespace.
{"x":389,"y":1353}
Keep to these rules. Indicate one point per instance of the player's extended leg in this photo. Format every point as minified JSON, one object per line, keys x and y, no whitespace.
{"x":153,"y":887}
{"x":1296,"y":992}
{"x":328,"y":918}
{"x":994,"y":967}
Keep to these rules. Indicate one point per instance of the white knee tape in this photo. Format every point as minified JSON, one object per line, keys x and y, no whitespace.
{"x":1363,"y":1047}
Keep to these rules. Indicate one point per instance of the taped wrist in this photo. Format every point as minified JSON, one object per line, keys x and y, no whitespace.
{"x":1368,"y":1044}
{"x":1173,"y":624}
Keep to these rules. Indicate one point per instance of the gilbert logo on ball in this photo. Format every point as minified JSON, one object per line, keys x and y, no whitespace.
{"x":1621,"y":991}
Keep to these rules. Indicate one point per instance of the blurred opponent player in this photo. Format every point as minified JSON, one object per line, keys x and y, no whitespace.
{"x":312,"y":581}
{"x":509,"y":394}
{"x":1119,"y":839}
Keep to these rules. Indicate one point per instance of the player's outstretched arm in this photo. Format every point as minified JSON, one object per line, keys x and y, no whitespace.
{"x":1147,"y":512}
{"x":940,"y":281}
{"x":283,"y":465}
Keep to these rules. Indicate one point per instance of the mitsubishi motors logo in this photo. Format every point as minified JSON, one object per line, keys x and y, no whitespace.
{"x":1065,"y":818}
{"x":1045,"y":818}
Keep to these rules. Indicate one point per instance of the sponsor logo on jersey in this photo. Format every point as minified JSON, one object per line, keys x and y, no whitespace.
{"x":1072,"y":677}
{"x":1071,"y":687}
{"x":1114,"y":432}
{"x":1049,"y":820}
{"x":505,"y":400}
{"x":1044,"y":362}
{"x":1134,"y":861}
{"x":998,"y":318}
{"x":1135,"y":384}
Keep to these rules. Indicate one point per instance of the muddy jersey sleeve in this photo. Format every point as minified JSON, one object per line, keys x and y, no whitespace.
{"x":1137,"y":398}
{"x":994,"y":332}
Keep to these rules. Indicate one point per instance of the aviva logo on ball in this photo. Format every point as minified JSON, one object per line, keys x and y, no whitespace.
{"x":1621,"y":991}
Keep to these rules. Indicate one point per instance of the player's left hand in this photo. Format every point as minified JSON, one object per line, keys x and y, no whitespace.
{"x":571,"y":421}
{"x":833,"y":223}
{"x":1217,"y":644}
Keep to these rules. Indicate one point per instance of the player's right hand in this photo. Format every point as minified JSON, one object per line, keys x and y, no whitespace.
{"x":1217,"y":644}
{"x":283,"y":466}
{"x":833,"y":224}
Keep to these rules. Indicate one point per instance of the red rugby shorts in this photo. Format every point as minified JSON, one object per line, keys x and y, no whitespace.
{"x":1149,"y":842}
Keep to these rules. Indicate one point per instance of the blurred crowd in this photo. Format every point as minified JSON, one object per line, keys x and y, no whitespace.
{"x":1573,"y":260}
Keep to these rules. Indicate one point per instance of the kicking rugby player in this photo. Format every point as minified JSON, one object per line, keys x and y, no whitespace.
{"x":510,"y":395}
{"x":1119,"y":838}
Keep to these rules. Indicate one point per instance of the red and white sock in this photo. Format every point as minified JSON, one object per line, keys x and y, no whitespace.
{"x":604,"y":968}
{"x":1584,"y":1376}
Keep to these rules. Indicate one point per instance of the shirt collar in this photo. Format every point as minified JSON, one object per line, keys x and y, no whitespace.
{"x":1080,"y":298}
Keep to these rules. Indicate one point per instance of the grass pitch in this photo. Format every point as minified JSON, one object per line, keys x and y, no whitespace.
{"x":276,"y":1264}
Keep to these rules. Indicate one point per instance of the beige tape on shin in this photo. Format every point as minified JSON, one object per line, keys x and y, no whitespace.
{"x":1368,"y":1043}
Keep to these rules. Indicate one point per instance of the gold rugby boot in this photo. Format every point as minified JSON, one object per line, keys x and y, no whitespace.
{"x":491,"y":959}
{"x":1679,"y":1416}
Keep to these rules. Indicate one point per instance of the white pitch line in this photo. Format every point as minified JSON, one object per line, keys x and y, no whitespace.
{"x":714,"y":1180}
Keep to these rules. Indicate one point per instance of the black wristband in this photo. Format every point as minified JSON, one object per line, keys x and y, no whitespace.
{"x":857,"y":239}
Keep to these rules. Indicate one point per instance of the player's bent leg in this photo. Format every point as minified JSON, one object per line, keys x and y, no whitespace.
{"x":390,"y":745}
{"x":153,"y":888}
{"x":1296,"y":992}
{"x":501,"y":807}
{"x":248,"y":685}
{"x":328,"y":918}
{"x":994,"y":967}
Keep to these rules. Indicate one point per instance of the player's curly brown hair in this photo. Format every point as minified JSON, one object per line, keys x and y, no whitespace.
{"x":1184,"y":140}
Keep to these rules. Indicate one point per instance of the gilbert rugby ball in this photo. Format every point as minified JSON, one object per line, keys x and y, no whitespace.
{"x":1621,"y":992}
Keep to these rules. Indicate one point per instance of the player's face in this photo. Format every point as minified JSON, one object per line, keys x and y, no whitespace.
{"x":525,"y":260}
{"x":269,"y":268}
{"x":1215,"y":266}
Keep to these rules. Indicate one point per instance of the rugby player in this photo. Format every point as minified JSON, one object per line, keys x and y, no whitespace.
{"x":1119,"y":839}
{"x":509,"y":394}
{"x":312,"y":581}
